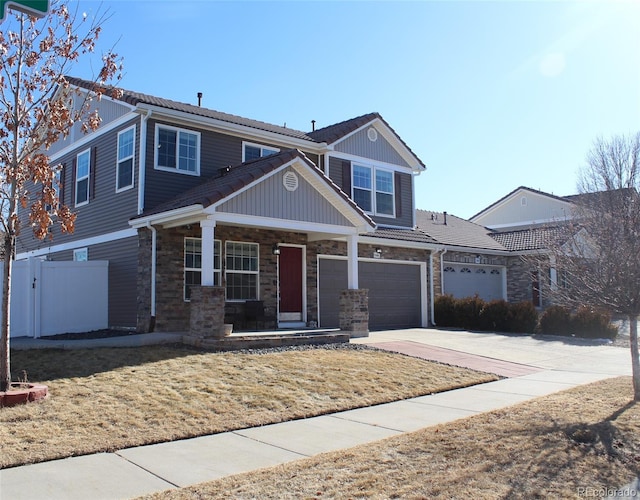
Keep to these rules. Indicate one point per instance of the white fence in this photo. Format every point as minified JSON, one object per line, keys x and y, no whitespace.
{"x":48,"y":298}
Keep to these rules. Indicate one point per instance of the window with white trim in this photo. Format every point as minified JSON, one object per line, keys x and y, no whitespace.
{"x":80,"y":255}
{"x":124,"y":169}
{"x":83,"y":173}
{"x":193,"y":264}
{"x":242,"y":270}
{"x":177,"y":150}
{"x":251,"y":151}
{"x":373,"y":189}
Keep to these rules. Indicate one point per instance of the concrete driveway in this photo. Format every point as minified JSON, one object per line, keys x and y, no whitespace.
{"x":540,"y":352}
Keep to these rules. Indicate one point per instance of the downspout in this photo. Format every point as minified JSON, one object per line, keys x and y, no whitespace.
{"x":152,"y":320}
{"x":432,"y":299}
{"x":142,"y":161}
{"x":444,"y":250}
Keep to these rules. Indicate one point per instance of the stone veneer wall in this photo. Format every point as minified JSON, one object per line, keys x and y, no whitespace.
{"x":144,"y":322}
{"x":354,"y":312}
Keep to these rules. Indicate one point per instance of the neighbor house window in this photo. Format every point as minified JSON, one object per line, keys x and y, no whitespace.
{"x":193,"y":264}
{"x":177,"y":150}
{"x":81,"y":255}
{"x":83,"y":172}
{"x":242,"y":270}
{"x":373,"y":189}
{"x":124,"y":171}
{"x":252,"y":151}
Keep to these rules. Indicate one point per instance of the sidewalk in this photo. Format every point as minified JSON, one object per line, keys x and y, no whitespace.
{"x":552,"y":366}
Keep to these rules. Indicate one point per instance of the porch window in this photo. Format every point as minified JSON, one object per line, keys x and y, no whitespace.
{"x":252,"y":151}
{"x":373,"y":190}
{"x":124,"y":171}
{"x":193,"y":264}
{"x":242,"y":270}
{"x":177,"y":150}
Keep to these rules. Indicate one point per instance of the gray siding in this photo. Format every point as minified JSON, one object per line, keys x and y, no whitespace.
{"x":108,"y":110}
{"x":123,"y":267}
{"x":359,"y":144}
{"x":404,"y":216}
{"x":270,"y":199}
{"x":217,"y":150}
{"x":107,"y":211}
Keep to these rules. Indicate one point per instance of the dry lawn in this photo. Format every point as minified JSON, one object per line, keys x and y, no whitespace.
{"x":573,"y":444}
{"x":109,"y":399}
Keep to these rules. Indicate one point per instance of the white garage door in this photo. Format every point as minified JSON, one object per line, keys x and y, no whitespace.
{"x":395,"y":292}
{"x":466,"y":280}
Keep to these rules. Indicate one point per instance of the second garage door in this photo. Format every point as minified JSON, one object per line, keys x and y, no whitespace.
{"x":464,"y":280}
{"x":395,"y":292}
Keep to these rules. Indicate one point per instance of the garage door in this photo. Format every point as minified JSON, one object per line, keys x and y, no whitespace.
{"x":464,"y":280}
{"x":395,"y":299}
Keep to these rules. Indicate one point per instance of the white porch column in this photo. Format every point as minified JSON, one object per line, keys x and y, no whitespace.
{"x":352,"y":261}
{"x":208,"y":234}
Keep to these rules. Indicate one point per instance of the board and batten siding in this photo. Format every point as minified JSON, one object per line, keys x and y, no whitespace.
{"x":107,"y":211}
{"x":340,"y":173}
{"x":123,"y":268}
{"x":359,"y":144}
{"x":269,"y":198}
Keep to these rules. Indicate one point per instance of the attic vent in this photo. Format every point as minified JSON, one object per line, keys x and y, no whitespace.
{"x":523,"y":201}
{"x":290,"y":181}
{"x":372,"y":134}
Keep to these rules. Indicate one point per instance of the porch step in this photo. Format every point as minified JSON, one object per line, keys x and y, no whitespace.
{"x":238,"y":341}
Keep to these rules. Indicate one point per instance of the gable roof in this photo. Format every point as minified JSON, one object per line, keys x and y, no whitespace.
{"x":537,"y":238}
{"x":450,"y":230}
{"x":520,"y":188}
{"x":232,"y":179}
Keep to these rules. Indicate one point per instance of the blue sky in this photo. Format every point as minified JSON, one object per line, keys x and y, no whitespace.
{"x":489,"y":95}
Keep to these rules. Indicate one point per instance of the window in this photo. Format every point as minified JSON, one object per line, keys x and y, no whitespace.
{"x":193,"y":264}
{"x":124,"y":171}
{"x":56,"y":185}
{"x":252,"y":151}
{"x":177,"y":150}
{"x":83,"y":172}
{"x":81,"y":255}
{"x":241,"y":270}
{"x":368,"y":181}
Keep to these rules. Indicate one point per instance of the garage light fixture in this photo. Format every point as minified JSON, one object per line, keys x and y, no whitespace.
{"x":276,"y":249}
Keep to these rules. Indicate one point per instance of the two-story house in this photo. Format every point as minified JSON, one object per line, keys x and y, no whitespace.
{"x":176,"y":196}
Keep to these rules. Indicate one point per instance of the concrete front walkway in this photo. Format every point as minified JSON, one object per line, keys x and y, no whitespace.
{"x":546,"y":365}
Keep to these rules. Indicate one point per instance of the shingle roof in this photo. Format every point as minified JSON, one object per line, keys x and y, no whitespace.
{"x":409,"y":235}
{"x":536,"y":238}
{"x":235,"y":178}
{"x":456,"y":232}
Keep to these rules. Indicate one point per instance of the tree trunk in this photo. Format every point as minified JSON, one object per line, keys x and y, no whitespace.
{"x":5,"y":364}
{"x":635,"y":361}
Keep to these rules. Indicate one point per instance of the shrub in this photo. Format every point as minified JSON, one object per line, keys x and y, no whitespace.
{"x":523,"y":317}
{"x":495,"y":316}
{"x":589,"y":323}
{"x":555,"y":320}
{"x":445,"y":311}
{"x":468,"y":312}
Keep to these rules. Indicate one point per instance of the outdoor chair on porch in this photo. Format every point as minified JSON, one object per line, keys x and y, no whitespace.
{"x":254,"y":313}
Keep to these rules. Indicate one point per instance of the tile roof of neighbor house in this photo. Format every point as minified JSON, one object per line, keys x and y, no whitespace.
{"x":536,"y":238}
{"x":408,"y":235}
{"x":237,"y":177}
{"x":456,"y":231}
{"x":327,"y":134}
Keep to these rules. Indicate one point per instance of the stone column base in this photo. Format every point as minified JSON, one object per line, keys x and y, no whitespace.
{"x":354,"y":312}
{"x":207,"y":312}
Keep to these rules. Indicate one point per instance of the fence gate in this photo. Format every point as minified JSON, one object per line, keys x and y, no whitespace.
{"x":48,"y":298}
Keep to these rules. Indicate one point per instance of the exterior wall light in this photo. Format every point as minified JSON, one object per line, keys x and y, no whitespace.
{"x":276,"y":249}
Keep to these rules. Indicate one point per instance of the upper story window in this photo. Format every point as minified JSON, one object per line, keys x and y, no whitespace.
{"x":373,"y":190}
{"x":252,"y":151}
{"x":83,"y":173}
{"x":124,"y":170}
{"x":177,"y":150}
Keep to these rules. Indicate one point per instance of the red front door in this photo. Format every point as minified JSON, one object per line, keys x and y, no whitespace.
{"x":290,"y":276}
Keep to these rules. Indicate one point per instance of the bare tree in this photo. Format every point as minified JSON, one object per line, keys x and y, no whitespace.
{"x":37,"y":107}
{"x":597,"y":251}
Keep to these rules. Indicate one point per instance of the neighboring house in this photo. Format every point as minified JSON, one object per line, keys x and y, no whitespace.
{"x":175,"y":196}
